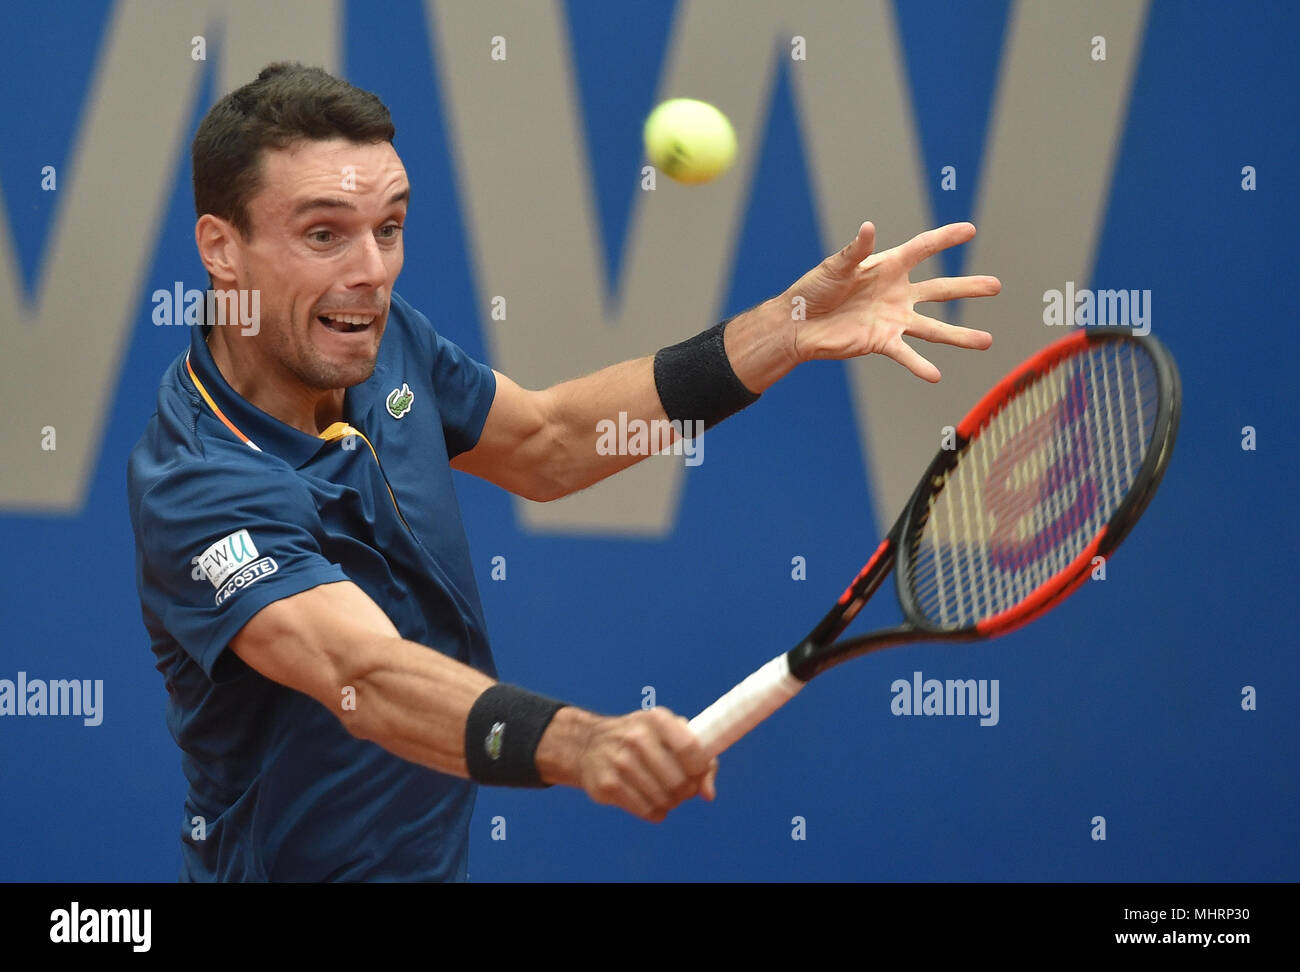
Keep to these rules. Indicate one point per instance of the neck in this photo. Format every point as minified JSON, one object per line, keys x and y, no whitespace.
{"x":271,"y":388}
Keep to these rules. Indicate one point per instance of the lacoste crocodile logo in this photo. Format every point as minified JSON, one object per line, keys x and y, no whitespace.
{"x":399,"y":401}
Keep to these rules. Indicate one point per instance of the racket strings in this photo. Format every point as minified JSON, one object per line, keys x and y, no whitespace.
{"x":1035,"y":484}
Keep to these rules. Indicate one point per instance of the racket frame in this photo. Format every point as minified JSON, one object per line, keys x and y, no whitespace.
{"x":818,"y":651}
{"x":771,"y":686}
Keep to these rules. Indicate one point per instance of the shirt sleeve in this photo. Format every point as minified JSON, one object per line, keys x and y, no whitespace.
{"x":217,"y":544}
{"x":465,"y":387}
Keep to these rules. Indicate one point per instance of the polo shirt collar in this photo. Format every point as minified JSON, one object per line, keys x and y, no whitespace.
{"x":254,"y":427}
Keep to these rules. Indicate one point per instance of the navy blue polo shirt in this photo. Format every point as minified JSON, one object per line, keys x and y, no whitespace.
{"x":232,"y":510}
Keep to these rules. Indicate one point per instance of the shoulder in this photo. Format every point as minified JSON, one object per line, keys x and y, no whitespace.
{"x":193,"y":497}
{"x":185,"y":470}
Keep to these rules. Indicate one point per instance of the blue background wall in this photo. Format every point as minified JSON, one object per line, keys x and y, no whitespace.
{"x":1125,"y":703}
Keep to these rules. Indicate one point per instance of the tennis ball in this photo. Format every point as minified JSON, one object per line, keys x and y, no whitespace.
{"x":689,"y":140}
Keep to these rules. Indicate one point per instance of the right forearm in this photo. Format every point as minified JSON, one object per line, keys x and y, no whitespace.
{"x":414,"y":702}
{"x":333,"y":643}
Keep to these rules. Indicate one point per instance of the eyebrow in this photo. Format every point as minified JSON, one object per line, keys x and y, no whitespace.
{"x":339,"y":202}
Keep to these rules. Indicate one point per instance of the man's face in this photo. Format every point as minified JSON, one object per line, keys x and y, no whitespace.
{"x":326,"y":249}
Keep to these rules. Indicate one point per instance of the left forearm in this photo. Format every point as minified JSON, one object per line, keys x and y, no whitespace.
{"x":594,"y":420}
{"x":581,"y":413}
{"x":544,"y":445}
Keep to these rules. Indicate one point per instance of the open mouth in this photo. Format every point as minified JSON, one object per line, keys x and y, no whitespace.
{"x":347,"y":323}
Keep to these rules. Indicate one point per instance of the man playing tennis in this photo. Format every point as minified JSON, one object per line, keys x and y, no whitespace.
{"x":303,"y":570}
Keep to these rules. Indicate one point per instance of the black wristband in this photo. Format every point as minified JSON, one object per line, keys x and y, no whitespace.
{"x":505,"y":725}
{"x":696,"y":382}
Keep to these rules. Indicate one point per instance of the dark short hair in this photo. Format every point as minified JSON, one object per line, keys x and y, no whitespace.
{"x":287,"y":103}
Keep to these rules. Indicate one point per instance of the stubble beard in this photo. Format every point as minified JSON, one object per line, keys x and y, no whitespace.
{"x":316,"y":371}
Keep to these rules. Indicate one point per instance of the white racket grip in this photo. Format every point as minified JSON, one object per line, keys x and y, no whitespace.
{"x":746,"y":705}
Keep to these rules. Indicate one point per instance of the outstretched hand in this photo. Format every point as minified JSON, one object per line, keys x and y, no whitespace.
{"x":857,"y":302}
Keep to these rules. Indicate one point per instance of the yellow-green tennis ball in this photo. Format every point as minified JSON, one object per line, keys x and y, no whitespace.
{"x":689,"y":140}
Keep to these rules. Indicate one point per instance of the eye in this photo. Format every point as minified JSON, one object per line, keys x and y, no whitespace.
{"x":316,"y":236}
{"x":391,"y":231}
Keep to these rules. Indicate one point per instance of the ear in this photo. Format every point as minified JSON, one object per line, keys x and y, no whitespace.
{"x":219,"y":243}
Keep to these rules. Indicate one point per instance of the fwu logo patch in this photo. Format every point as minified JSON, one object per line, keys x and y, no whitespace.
{"x":232,"y":563}
{"x":399,"y":400}
{"x":226,"y":556}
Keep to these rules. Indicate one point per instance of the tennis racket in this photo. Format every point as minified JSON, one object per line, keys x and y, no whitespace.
{"x":1048,"y":472}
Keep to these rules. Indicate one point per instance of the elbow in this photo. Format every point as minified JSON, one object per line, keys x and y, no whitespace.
{"x":547,"y":478}
{"x":547,"y":490}
{"x":353,"y":689}
{"x":357,"y":718}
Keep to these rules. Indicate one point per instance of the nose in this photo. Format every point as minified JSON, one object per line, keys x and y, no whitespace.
{"x":367,"y":268}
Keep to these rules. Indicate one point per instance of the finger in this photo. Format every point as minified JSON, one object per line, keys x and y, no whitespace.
{"x":925,"y":245}
{"x":671,"y":756}
{"x":671,"y":783}
{"x":633,"y":789}
{"x":938,"y":332}
{"x":709,"y":788}
{"x":905,"y":355}
{"x":858,"y":249}
{"x":955,"y":288}
{"x":686,"y":746}
{"x":681,"y":761}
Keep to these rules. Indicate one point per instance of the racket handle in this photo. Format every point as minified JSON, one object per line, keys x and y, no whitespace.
{"x":746,"y":705}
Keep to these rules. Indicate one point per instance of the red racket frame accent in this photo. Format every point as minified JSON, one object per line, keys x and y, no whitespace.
{"x":1030,"y":368}
{"x":1059,"y":585}
{"x":875,"y":557}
